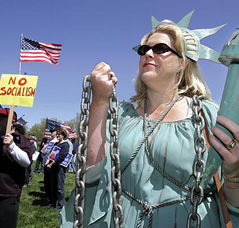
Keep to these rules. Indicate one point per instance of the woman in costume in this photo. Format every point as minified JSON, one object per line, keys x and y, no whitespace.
{"x":157,"y":137}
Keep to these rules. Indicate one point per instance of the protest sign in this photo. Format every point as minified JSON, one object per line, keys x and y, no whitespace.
{"x":16,"y":89}
{"x":67,"y":160}
{"x":47,"y":148}
{"x":55,"y":153}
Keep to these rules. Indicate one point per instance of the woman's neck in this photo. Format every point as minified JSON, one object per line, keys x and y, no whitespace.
{"x":159,"y":100}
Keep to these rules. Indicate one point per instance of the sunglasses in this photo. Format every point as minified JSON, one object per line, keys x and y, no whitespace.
{"x":157,"y":49}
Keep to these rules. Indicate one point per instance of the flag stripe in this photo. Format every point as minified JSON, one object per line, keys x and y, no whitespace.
{"x":39,"y":56}
{"x":29,"y":52}
{"x":39,"y":61}
{"x":50,"y":47}
{"x":33,"y":51}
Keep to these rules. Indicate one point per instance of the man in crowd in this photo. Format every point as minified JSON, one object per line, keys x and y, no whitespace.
{"x":15,"y":155}
{"x":29,"y":170}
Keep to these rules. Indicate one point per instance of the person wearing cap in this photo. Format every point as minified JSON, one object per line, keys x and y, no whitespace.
{"x":15,"y":156}
{"x":57,"y":172}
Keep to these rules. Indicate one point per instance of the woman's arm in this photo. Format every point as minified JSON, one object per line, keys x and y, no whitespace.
{"x":230,"y":164}
{"x":102,"y":82}
{"x":63,"y":152}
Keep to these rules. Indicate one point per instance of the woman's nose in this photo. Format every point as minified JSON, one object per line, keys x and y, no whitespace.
{"x":149,"y":53}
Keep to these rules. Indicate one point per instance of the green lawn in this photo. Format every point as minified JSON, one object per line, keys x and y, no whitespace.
{"x":33,"y":211}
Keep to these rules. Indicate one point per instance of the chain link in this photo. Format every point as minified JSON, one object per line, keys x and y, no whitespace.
{"x":115,"y":161}
{"x":197,"y":192}
{"x":82,"y":153}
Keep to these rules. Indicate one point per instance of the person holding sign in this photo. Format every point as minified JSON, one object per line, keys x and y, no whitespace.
{"x":40,"y":157}
{"x":45,"y":154}
{"x":15,"y":155}
{"x":57,"y":172}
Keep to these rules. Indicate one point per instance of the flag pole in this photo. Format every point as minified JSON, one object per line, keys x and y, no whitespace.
{"x":10,"y":115}
{"x":20,"y":63}
{"x":45,"y":127}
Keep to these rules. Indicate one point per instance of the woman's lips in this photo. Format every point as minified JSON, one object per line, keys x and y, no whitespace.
{"x":148,"y":64}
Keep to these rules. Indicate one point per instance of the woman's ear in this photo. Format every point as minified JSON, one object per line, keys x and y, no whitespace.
{"x":183,"y":62}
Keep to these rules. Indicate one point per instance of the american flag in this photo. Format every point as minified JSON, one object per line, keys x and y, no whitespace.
{"x":51,"y":124}
{"x":33,"y":51}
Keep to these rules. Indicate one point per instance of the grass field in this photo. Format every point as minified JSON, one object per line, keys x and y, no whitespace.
{"x":33,"y":211}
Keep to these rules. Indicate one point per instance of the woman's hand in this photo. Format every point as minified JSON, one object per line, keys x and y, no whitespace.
{"x":230,"y":150}
{"x":51,"y":164}
{"x":47,"y":162}
{"x":102,"y":82}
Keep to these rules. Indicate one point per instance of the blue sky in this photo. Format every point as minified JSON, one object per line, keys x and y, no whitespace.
{"x":92,"y":31}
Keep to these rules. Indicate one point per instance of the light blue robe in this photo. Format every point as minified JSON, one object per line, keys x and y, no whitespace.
{"x":172,"y":147}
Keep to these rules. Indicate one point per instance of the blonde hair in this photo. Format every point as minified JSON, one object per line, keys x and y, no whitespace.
{"x":190,"y":80}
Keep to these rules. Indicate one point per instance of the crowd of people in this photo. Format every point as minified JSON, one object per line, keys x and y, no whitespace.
{"x":52,"y":169}
{"x":17,"y":154}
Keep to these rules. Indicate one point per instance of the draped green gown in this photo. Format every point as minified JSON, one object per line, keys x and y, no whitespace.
{"x":162,"y":185}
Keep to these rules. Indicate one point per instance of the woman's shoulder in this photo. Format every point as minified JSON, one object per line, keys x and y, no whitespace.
{"x":127,"y":108}
{"x":126,"y":104}
{"x":63,"y":144}
{"x":210,"y":109}
{"x":210,"y":106}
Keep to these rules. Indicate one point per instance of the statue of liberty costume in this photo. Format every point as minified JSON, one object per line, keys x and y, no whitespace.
{"x":156,"y":178}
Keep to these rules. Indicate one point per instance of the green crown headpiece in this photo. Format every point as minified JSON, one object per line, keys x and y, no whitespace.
{"x":192,"y":48}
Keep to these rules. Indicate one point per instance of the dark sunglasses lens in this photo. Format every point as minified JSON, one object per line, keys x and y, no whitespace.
{"x":160,"y":48}
{"x":143,"y":49}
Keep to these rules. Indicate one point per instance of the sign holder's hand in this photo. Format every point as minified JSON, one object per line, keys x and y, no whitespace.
{"x":9,"y":121}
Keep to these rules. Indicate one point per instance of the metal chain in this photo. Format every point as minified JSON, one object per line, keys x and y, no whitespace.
{"x":197,"y":193}
{"x":115,"y":161}
{"x":82,"y":153}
